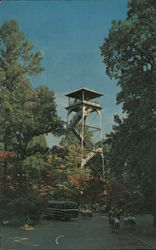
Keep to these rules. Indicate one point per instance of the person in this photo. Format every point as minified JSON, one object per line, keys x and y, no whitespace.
{"x":75,"y":101}
{"x":94,"y":207}
{"x":87,"y":213}
{"x":111,"y":215}
{"x":97,"y":207}
{"x":111,"y":223}
{"x":116,"y":224}
{"x":111,"y":211}
{"x":132,"y":222}
{"x":117,"y":213}
{"x":126,"y":220}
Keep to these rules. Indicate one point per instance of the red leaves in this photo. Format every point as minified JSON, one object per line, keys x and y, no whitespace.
{"x":7,"y":155}
{"x":79,"y":181}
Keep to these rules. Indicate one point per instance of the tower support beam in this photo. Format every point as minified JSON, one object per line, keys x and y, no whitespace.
{"x":82,"y":103}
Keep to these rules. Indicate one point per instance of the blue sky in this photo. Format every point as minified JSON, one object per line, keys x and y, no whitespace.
{"x":69,"y":34}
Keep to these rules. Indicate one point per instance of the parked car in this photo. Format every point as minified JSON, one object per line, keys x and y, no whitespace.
{"x":64,"y":210}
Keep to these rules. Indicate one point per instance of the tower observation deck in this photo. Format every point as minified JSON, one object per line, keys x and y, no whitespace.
{"x":81,"y":104}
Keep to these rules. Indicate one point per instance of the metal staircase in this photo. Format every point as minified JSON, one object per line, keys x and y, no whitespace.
{"x":91,"y":155}
{"x":72,"y":126}
{"x":76,"y":119}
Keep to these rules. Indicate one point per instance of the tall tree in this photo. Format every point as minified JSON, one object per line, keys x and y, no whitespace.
{"x":130,"y":56}
{"x":25,"y":112}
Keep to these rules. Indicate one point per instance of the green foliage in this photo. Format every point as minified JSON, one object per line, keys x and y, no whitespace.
{"x":16,"y":51}
{"x":25,"y":210}
{"x":25,"y":112}
{"x":130,"y":56}
{"x":26,"y":115}
{"x":1,"y":146}
{"x":65,"y":169}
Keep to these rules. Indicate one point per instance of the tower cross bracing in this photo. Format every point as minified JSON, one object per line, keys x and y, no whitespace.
{"x":81,"y":104}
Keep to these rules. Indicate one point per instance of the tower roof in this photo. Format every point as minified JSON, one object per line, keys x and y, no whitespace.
{"x":88,"y":94}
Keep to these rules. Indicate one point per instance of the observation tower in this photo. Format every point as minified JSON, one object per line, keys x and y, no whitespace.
{"x":82,"y":104}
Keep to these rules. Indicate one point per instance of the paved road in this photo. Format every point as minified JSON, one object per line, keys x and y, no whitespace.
{"x":73,"y":235}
